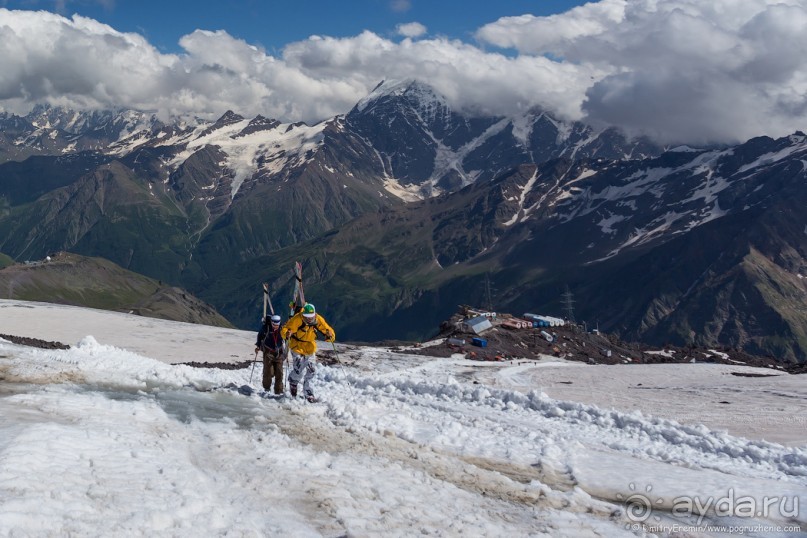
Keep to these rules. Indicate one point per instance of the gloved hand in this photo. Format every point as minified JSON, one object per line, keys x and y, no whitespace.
{"x":331,"y":337}
{"x":257,"y":349}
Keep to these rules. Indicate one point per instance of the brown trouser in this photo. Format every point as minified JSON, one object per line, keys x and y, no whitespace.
{"x":272,"y":367}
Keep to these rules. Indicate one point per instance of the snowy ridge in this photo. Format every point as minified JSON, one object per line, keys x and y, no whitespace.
{"x":72,"y":122}
{"x":646,"y":204}
{"x":428,"y":101}
{"x":279,"y":146}
{"x":408,"y":193}
{"x":448,"y":159}
{"x":799,"y":145}
{"x":522,"y":196}
{"x":645,"y":437}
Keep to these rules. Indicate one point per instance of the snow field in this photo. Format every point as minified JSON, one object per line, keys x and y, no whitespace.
{"x":99,"y":437}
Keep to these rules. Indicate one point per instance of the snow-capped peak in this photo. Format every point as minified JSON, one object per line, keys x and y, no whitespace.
{"x":410,"y":88}
{"x":278,"y":144}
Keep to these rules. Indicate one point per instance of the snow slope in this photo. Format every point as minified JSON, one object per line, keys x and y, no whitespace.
{"x":400,"y":445}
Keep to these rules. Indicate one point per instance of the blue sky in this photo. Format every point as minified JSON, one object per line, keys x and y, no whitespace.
{"x":679,"y":71}
{"x":272,"y":24}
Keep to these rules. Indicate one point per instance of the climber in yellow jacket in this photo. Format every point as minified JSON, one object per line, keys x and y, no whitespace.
{"x":301,"y":333}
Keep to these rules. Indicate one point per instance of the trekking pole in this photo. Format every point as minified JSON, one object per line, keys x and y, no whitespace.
{"x":349,"y":386}
{"x":253,"y":367}
{"x":286,"y":377}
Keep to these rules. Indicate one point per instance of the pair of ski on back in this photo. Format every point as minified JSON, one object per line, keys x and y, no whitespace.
{"x":297,"y":297}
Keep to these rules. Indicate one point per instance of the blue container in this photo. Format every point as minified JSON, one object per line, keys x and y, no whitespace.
{"x":480,"y":342}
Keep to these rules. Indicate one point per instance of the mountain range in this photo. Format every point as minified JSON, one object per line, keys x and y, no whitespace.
{"x":404,"y":208}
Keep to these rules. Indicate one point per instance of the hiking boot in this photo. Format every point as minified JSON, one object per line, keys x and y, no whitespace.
{"x":293,"y":391}
{"x":311,"y":398}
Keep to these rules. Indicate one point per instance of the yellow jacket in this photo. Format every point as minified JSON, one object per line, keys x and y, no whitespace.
{"x":302,"y":336}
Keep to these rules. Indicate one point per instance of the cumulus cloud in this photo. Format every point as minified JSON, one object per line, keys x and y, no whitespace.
{"x":81,"y":63}
{"x":539,"y":35}
{"x":411,"y":29}
{"x":467,"y":76}
{"x":678,"y":70}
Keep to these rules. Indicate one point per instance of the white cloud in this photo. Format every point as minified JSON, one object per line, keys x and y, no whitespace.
{"x":82,"y":63}
{"x":537,"y":35}
{"x":468,"y":76}
{"x":411,"y":29}
{"x":679,"y":70}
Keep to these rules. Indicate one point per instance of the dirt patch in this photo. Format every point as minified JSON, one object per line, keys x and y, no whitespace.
{"x":34,"y":342}
{"x":219,"y":365}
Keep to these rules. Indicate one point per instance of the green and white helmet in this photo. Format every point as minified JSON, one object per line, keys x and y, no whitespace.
{"x":309,"y":311}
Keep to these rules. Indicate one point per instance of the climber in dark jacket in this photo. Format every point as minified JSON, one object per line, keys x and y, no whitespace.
{"x":271,"y":343}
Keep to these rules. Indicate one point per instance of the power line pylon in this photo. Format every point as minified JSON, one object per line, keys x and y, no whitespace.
{"x":568,"y":304}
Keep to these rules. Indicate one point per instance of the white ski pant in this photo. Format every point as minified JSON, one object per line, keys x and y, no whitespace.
{"x":303,"y":364}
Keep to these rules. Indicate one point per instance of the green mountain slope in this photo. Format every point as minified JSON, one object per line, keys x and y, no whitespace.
{"x":392,"y":273}
{"x":98,"y":283}
{"x":111,"y":213}
{"x":5,"y":260}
